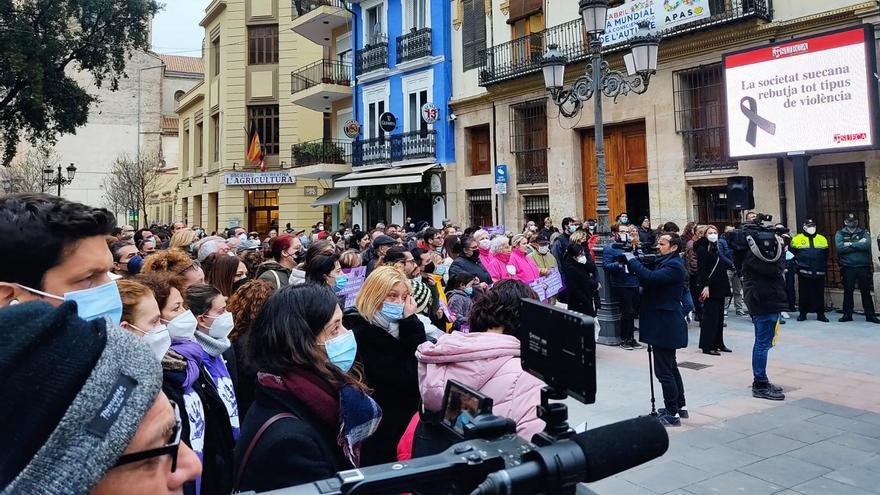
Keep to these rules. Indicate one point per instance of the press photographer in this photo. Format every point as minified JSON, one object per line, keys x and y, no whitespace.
{"x":662,"y":323}
{"x":764,"y":289}
{"x":624,"y":285}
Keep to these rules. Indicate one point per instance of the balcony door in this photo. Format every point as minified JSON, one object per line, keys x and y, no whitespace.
{"x":417,"y":15}
{"x":375,"y":24}
{"x":529,"y":31}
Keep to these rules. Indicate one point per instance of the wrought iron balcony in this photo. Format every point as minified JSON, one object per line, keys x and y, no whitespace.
{"x":414,"y":44}
{"x":302,"y":7}
{"x":321,"y":151}
{"x":372,"y":57}
{"x":321,"y":72}
{"x":522,"y":56}
{"x":386,"y":150}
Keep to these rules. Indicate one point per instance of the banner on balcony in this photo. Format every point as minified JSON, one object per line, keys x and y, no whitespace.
{"x":807,"y":95}
{"x":258,"y":178}
{"x":623,"y":21}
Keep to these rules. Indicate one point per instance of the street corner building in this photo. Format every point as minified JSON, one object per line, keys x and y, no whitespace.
{"x":671,"y":151}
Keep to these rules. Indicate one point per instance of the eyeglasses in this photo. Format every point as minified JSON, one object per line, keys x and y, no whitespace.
{"x":195,"y":266}
{"x":171,"y":448}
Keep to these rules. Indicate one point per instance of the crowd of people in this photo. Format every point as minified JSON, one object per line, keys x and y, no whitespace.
{"x":218,"y":363}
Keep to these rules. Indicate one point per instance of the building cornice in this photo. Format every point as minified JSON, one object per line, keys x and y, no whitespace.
{"x":192,"y":97}
{"x":212,"y":11}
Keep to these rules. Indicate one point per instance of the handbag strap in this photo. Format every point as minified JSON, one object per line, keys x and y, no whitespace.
{"x":277,"y":280}
{"x":247,"y":453}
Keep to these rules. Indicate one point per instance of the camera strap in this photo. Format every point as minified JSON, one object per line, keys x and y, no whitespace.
{"x":753,"y":246}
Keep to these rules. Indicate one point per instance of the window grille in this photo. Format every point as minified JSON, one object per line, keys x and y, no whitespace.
{"x":528,"y":141}
{"x":699,"y":117}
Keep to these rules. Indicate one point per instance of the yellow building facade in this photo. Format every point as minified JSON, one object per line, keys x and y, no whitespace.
{"x":249,"y":53}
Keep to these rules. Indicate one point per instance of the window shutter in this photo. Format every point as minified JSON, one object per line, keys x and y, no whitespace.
{"x":467,"y":34}
{"x":520,"y":9}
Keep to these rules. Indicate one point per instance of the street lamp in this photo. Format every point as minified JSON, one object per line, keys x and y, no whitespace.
{"x":56,"y":178}
{"x":599,"y":80}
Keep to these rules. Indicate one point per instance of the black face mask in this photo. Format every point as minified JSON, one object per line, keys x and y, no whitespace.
{"x":473,"y":256}
{"x":429,"y":268}
{"x":237,"y":284}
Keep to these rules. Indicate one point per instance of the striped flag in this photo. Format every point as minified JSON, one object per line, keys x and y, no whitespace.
{"x":255,"y":153}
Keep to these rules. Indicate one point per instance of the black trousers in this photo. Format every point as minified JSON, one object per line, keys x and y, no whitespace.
{"x":712,"y":324}
{"x":851,"y":276}
{"x":666,"y":371}
{"x":627,"y":298}
{"x":811,"y":295}
{"x":789,"y":289}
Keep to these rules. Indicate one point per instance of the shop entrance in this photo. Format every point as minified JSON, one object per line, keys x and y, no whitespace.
{"x":262,"y":211}
{"x":626,"y":170}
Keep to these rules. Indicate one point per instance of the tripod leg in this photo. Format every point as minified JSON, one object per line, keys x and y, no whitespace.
{"x":651,"y":380}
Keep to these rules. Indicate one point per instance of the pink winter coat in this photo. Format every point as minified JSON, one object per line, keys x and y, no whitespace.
{"x":497,"y":267}
{"x":486,"y":362}
{"x":526,"y":268}
{"x":485,"y":257}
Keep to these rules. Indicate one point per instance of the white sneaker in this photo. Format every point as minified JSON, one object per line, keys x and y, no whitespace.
{"x":786,"y":315}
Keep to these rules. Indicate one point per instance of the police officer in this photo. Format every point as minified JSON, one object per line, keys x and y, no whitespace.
{"x":854,"y":256}
{"x":810,"y":250}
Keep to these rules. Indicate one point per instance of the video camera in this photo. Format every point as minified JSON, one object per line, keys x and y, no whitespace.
{"x":759,"y":237}
{"x":647,"y":255}
{"x":559,"y":347}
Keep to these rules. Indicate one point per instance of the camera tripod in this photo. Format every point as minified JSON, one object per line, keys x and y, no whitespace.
{"x":651,"y":379}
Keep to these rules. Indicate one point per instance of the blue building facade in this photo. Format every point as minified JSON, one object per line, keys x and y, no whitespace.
{"x":402,"y":63}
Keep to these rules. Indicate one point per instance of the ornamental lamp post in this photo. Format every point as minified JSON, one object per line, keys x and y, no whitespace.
{"x":55,"y":178}
{"x":599,"y":80}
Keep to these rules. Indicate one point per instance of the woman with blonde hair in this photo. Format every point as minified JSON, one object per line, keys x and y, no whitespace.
{"x":388,"y":332}
{"x":183,"y":239}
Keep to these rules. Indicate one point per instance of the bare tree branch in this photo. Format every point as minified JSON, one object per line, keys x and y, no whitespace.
{"x":130,"y":183}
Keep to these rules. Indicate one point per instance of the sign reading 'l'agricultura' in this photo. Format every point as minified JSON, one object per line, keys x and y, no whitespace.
{"x":808,"y":95}
{"x":258,"y":178}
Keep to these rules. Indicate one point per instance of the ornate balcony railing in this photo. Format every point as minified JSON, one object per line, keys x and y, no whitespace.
{"x":309,"y":153}
{"x":414,"y":44}
{"x":531,"y":167}
{"x":302,"y":7}
{"x":522,"y":56}
{"x":321,"y":72}
{"x":372,"y":57}
{"x":386,"y":150}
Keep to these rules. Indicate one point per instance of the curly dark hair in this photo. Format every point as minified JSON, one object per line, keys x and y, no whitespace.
{"x":37,"y":229}
{"x":169,"y":260}
{"x":499,"y":307}
{"x":161,"y":284}
{"x":245,"y":305}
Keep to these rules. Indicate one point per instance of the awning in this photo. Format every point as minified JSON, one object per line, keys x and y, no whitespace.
{"x":384,"y":177}
{"x":331,"y":197}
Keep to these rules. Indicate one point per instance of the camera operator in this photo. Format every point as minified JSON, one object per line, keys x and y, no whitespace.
{"x":764,"y":286}
{"x":663,"y":324}
{"x":624,"y":285}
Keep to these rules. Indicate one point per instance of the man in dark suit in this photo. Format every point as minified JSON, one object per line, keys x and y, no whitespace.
{"x":663,"y":326}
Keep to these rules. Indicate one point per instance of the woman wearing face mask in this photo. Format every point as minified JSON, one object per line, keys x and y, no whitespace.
{"x":500,"y":266}
{"x":215,"y":324}
{"x":526,"y":268}
{"x":469,"y":261}
{"x":712,"y":266}
{"x":324,"y":269}
{"x":542,"y":257}
{"x":205,"y":421}
{"x":482,"y":238}
{"x":312,"y":413}
{"x":224,"y":272}
{"x":140,"y":315}
{"x":388,"y":333}
{"x":580,"y":279}
{"x":646,"y":235}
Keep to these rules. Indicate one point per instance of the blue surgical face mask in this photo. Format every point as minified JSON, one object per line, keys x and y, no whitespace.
{"x":440,"y":269}
{"x":469,"y":291}
{"x":134,"y":265}
{"x":92,"y":303}
{"x":624,"y":219}
{"x":392,"y":311}
{"x":341,"y":281}
{"x":342,"y":350}
{"x":572,"y":228}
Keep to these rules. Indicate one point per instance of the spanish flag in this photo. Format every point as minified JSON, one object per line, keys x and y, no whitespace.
{"x":255,"y":154}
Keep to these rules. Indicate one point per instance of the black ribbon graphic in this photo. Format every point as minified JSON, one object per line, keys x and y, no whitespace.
{"x":749,"y":108}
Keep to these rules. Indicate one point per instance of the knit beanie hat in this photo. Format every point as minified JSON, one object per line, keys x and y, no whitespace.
{"x":73,"y":394}
{"x":421,"y":294}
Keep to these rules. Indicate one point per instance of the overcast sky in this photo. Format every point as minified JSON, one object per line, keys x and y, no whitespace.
{"x":176,"y":29}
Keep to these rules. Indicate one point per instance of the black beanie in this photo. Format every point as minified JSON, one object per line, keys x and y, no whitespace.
{"x":46,"y":355}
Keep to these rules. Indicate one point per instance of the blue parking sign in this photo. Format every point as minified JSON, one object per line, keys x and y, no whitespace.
{"x":501,"y":174}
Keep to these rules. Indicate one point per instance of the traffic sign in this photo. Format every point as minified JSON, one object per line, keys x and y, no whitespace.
{"x":501,"y":174}
{"x":501,"y":187}
{"x":430,"y":113}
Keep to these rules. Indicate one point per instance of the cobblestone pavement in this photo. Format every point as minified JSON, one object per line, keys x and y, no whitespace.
{"x":823,"y":439}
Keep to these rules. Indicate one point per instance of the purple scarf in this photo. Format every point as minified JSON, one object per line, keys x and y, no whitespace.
{"x":192,"y":352}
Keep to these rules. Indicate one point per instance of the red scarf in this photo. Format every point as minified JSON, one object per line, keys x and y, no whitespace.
{"x":318,"y":395}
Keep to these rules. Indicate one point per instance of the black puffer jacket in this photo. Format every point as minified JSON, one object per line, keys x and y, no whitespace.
{"x":764,"y":285}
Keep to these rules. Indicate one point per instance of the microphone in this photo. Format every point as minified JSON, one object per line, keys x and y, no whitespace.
{"x":586,"y":457}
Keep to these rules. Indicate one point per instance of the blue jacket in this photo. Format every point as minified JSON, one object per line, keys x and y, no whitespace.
{"x":617,"y":273}
{"x":662,"y":317}
{"x":811,"y":254}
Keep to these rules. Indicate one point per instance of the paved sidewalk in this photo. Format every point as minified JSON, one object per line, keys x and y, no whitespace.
{"x":823,"y":439}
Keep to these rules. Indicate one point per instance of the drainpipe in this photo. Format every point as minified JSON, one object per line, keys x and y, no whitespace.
{"x":354,"y":95}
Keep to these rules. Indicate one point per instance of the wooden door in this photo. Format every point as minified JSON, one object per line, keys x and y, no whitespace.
{"x":480,"y":150}
{"x":626,"y":162}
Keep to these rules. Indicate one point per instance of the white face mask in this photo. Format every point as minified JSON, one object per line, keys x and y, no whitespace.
{"x":159,"y":340}
{"x":582,"y":259}
{"x":222,"y":325}
{"x":485,"y":243}
{"x":183,"y":326}
{"x":543,"y":249}
{"x":713,"y":238}
{"x":810,"y":230}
